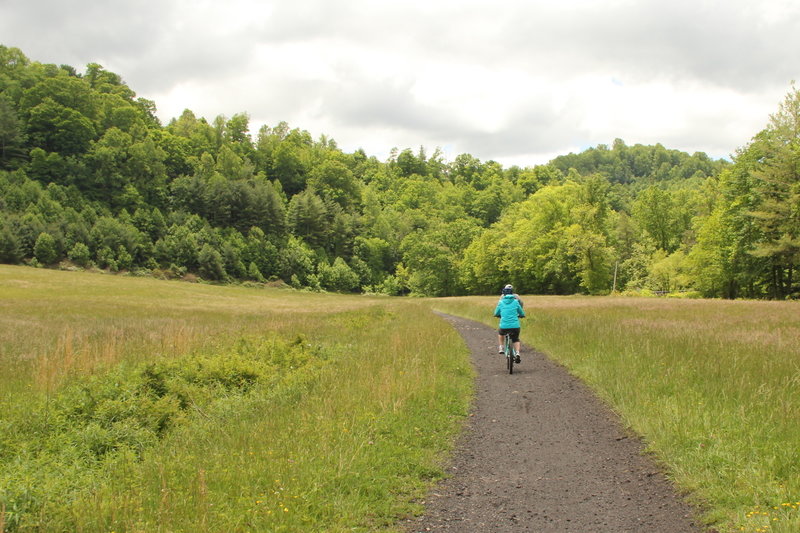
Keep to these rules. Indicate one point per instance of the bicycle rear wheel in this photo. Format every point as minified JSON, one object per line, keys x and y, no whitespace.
{"x":509,"y":354}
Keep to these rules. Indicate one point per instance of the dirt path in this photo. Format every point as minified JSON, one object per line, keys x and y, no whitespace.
{"x":542,"y":454}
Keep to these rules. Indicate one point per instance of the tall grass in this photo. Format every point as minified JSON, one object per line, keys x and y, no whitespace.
{"x":345,"y":437}
{"x":55,"y":324}
{"x":712,"y":386}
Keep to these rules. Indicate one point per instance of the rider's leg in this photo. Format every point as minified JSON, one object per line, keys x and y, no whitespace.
{"x":499,"y":343}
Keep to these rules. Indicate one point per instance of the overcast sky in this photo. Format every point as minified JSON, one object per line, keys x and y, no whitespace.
{"x":518,"y":81}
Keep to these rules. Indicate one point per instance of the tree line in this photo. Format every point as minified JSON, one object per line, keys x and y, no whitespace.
{"x":90,"y":177}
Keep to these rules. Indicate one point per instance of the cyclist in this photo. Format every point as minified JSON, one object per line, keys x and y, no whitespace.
{"x":510,"y":289}
{"x":509,"y":311}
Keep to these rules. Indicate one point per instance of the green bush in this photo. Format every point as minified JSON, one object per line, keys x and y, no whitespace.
{"x":211,"y":265}
{"x":45,"y":250}
{"x":338,"y":276}
{"x":686,"y":295}
{"x":254,"y":273}
{"x":80,"y":255}
{"x":114,"y":418}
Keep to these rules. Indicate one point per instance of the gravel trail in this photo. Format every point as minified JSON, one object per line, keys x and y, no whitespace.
{"x":541,"y":453}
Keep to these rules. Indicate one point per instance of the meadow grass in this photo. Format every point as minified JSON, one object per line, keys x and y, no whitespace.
{"x":54,"y":323}
{"x":349,"y":406}
{"x":712,"y":386}
{"x":347,"y":430}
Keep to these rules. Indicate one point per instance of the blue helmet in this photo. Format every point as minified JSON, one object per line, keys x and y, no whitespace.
{"x":508,"y":289}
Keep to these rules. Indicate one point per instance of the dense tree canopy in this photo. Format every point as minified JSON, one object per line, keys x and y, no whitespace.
{"x":89,"y":176}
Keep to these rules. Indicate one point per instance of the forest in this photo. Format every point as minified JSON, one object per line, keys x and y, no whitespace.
{"x":90,"y":178}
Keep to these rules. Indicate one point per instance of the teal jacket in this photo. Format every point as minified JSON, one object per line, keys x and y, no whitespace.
{"x":509,"y":311}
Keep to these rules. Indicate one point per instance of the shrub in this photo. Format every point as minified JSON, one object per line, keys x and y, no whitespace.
{"x":124,"y":259}
{"x":45,"y":250}
{"x":106,"y":259}
{"x":254,"y":273}
{"x":210,"y":262}
{"x":80,"y":255}
{"x":96,"y":423}
{"x":338,"y":277}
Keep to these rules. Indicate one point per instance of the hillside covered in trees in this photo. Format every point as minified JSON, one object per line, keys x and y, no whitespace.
{"x":90,"y":177}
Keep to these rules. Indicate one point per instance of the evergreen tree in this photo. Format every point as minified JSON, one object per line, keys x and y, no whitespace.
{"x":210,"y":263}
{"x":9,"y":247}
{"x":778,"y":187}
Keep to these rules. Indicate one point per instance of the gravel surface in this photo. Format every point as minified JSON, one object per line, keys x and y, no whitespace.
{"x":541,"y":453}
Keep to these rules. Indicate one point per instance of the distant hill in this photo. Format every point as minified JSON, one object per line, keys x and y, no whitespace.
{"x":90,"y":178}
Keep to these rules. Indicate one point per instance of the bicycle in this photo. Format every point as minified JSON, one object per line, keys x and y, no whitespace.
{"x":510,"y":353}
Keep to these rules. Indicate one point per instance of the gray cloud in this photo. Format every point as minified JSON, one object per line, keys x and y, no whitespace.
{"x":156,"y":44}
{"x":363,"y":67}
{"x":383,"y":104}
{"x":725,"y":43}
{"x":533,"y":131}
{"x":76,"y":33}
{"x":390,"y":105}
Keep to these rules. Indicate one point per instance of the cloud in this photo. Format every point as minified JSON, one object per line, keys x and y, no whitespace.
{"x":151,"y":44}
{"x":65,"y":33}
{"x":517,"y":83}
{"x":725,"y":43}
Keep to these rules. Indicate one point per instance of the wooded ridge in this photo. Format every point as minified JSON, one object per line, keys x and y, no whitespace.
{"x":90,"y":177}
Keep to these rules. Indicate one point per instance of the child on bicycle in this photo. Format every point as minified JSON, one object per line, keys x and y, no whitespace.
{"x":509,"y":289}
{"x":509,"y":311}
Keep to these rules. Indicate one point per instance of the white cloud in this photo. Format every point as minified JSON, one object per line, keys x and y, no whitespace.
{"x":518,"y":82}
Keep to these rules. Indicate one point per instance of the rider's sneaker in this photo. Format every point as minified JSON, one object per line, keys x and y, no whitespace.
{"x":517,"y":359}
{"x":500,"y":350}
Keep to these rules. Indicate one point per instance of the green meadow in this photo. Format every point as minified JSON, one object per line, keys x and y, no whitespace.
{"x":133,"y":404}
{"x":712,"y":386}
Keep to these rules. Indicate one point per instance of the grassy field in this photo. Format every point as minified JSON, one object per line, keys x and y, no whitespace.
{"x":131,"y":404}
{"x":713,"y":386}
